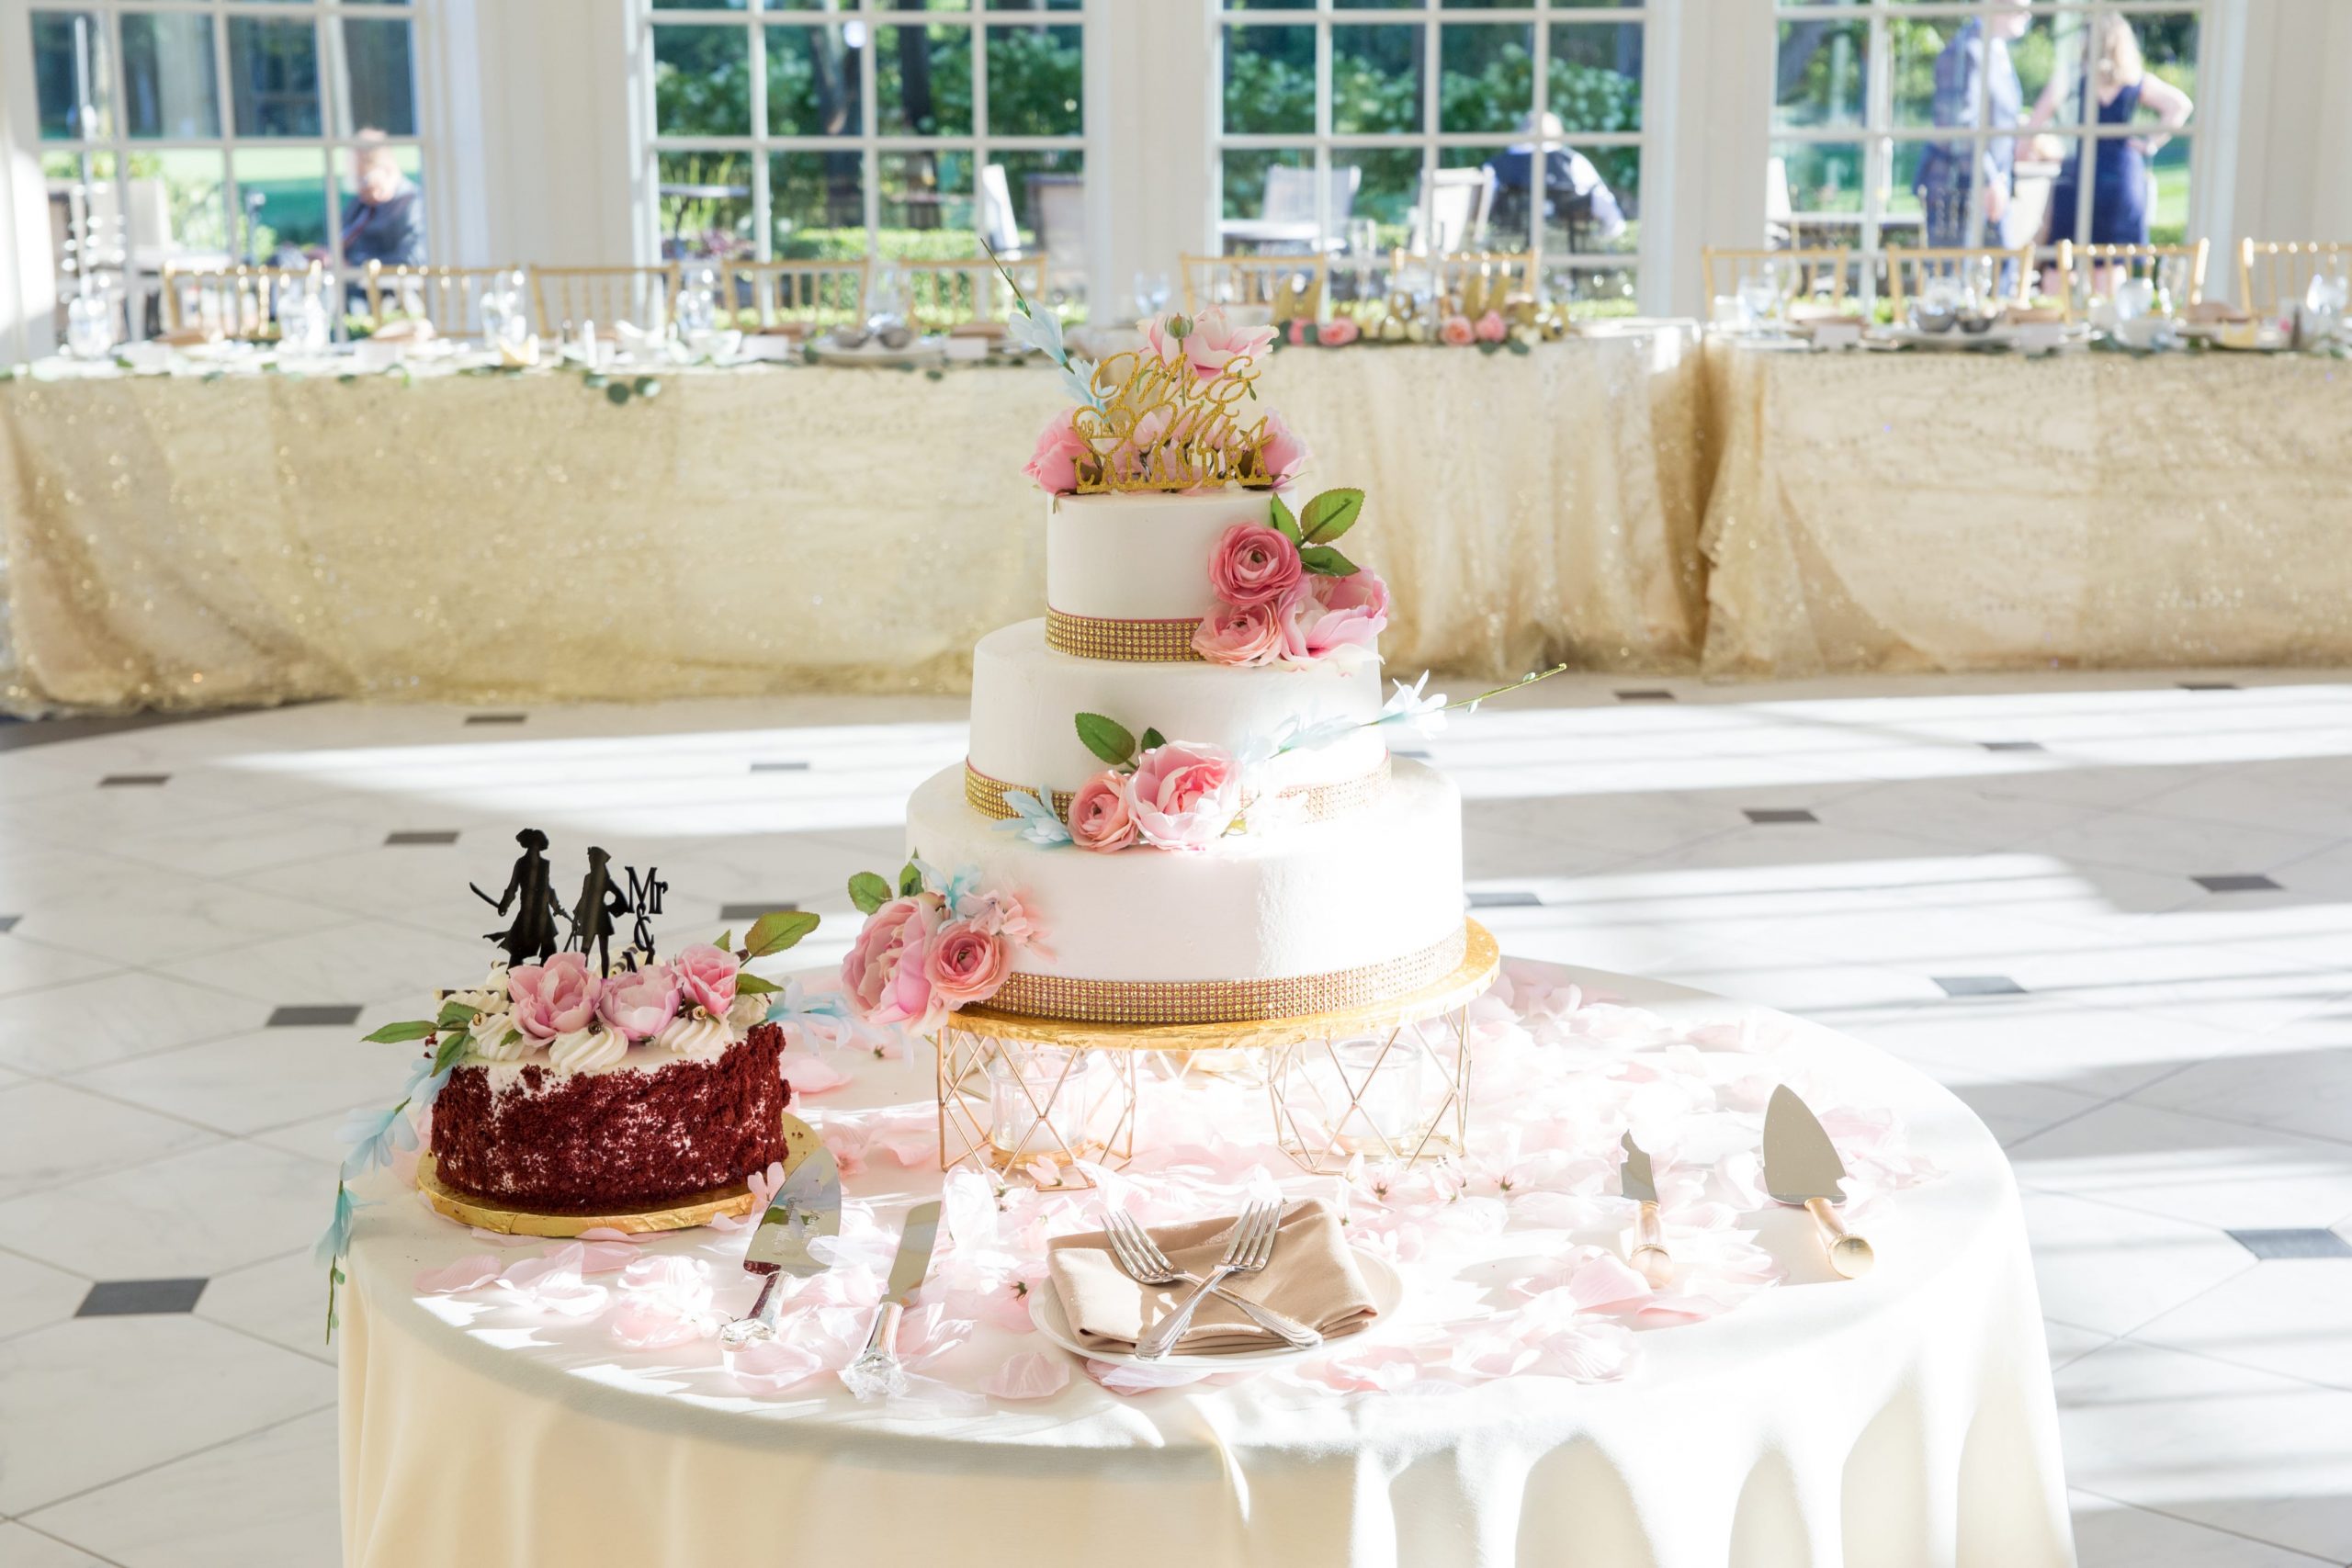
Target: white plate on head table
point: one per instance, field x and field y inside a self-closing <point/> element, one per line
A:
<point x="1380" y="1282"/>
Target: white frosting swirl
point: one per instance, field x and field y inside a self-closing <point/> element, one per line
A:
<point x="490" y="1031"/>
<point x="586" y="1050"/>
<point x="697" y="1033"/>
<point x="749" y="1009"/>
<point x="490" y="993"/>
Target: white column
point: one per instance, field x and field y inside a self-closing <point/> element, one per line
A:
<point x="28" y="267"/>
<point x="1150" y="104"/>
<point x="1708" y="161"/>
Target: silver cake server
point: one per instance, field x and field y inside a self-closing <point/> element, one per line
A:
<point x="807" y="1206"/>
<point x="1650" y="1259"/>
<point x="1801" y="1168"/>
<point x="877" y="1370"/>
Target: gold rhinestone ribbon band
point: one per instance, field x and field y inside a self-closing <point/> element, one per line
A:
<point x="1130" y="642"/>
<point x="1317" y="802"/>
<point x="1225" y="1001"/>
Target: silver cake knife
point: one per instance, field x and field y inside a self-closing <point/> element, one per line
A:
<point x="807" y="1206"/>
<point x="877" y="1370"/>
<point x="1801" y="1169"/>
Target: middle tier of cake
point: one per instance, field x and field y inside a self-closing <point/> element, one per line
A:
<point x="1026" y="699"/>
<point x="1311" y="918"/>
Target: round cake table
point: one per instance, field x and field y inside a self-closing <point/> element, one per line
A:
<point x="1903" y="1418"/>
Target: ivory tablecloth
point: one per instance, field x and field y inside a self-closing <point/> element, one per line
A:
<point x="176" y="542"/>
<point x="1932" y="510"/>
<point x="1906" y="1419"/>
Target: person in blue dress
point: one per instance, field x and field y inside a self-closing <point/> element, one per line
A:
<point x="2122" y="182"/>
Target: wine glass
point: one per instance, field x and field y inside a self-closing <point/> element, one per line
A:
<point x="1152" y="294"/>
<point x="696" y="305"/>
<point x="89" y="326"/>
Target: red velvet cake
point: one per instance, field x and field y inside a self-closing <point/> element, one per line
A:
<point x="633" y="1133"/>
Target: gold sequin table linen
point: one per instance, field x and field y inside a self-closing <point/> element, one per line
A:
<point x="1931" y="510"/>
<point x="176" y="542"/>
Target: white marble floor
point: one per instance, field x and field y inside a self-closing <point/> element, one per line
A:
<point x="2114" y="912"/>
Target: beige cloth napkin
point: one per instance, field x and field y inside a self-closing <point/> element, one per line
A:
<point x="1312" y="1280"/>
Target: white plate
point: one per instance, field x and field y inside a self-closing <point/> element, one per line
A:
<point x="1380" y="1282"/>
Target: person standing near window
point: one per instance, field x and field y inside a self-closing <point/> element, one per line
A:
<point x="384" y="221"/>
<point x="1574" y="192"/>
<point x="2122" y="179"/>
<point x="1978" y="51"/>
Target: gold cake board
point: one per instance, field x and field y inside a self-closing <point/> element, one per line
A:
<point x="683" y="1214"/>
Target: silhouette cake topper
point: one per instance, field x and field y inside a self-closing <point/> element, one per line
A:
<point x="531" y="938"/>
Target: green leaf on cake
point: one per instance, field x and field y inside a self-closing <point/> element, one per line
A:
<point x="1153" y="740"/>
<point x="726" y="940"/>
<point x="1107" y="738"/>
<point x="868" y="892"/>
<point x="910" y="880"/>
<point x="453" y="1048"/>
<point x="774" y="932"/>
<point x="393" y="1033"/>
<point x="1325" y="561"/>
<point x="1284" y="524"/>
<point x="453" y="1015"/>
<point x="1330" y="514"/>
<point x="751" y="985"/>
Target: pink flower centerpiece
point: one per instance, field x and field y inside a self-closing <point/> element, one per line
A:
<point x="1492" y="328"/>
<point x="1101" y="817"/>
<point x="887" y="973"/>
<point x="1344" y="612"/>
<point x="932" y="949"/>
<point x="639" y="1003"/>
<point x="1243" y="636"/>
<point x="1184" y="795"/>
<point x="1339" y="331"/>
<point x="1458" y="332"/>
<point x="555" y="998"/>
<point x="1254" y="565"/>
<point x="967" y="964"/>
<point x="1054" y="465"/>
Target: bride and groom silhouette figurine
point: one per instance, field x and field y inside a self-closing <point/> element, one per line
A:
<point x="531" y="937"/>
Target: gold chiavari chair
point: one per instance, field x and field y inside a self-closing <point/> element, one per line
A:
<point x="1908" y="270"/>
<point x="1291" y="285"/>
<point x="810" y="294"/>
<point x="1474" y="282"/>
<point x="2274" y="274"/>
<point x="943" y="294"/>
<point x="568" y="296"/>
<point x="448" y="296"/>
<point x="1811" y="269"/>
<point x="237" y="301"/>
<point x="2113" y="263"/>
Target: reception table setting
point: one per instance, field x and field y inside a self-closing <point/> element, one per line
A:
<point x="1514" y="1345"/>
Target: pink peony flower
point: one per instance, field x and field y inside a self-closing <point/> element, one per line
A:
<point x="639" y="1005"/>
<point x="1184" y="795"/>
<point x="967" y="964"/>
<point x="1492" y="328"/>
<point x="1339" y="331"/>
<point x="1060" y="451"/>
<point x="886" y="974"/>
<point x="1240" y="635"/>
<point x="1254" y="565"/>
<point x="1216" y="343"/>
<point x="1344" y="612"/>
<point x="1458" y="332"/>
<point x="706" y="974"/>
<point x="554" y="997"/>
<point x="1100" y="817"/>
<point x="1284" y="452"/>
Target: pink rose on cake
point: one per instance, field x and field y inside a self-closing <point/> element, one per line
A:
<point x="886" y="974"/>
<point x="1060" y="451"/>
<point x="1284" y="452"/>
<point x="1254" y="565"/>
<point x="1243" y="636"/>
<point x="1100" y="816"/>
<point x="1343" y="612"/>
<point x="1184" y="795"/>
<point x="639" y="1003"/>
<point x="555" y="998"/>
<point x="1213" y="344"/>
<point x="706" y="974"/>
<point x="967" y="964"/>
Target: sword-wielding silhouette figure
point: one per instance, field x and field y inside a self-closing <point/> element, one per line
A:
<point x="531" y="938"/>
<point x="592" y="918"/>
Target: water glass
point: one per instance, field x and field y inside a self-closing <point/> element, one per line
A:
<point x="1151" y="294"/>
<point x="89" y="326"/>
<point x="696" y="305"/>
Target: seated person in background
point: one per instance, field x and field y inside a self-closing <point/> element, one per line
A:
<point x="1574" y="192"/>
<point x="384" y="221"/>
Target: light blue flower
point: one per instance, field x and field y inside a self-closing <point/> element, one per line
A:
<point x="425" y="1085"/>
<point x="1423" y="715"/>
<point x="1040" y="329"/>
<point x="1321" y="733"/>
<point x="337" y="1239"/>
<point x="1037" y="824"/>
<point x="962" y="892"/>
<point x="371" y="1136"/>
<point x="822" y="1017"/>
<point x="1078" y="380"/>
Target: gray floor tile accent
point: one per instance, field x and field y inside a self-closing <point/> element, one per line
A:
<point x="2013" y="746"/>
<point x="1769" y="814"/>
<point x="2293" y="1244"/>
<point x="124" y="1298"/>
<point x="8" y="923"/>
<point x="753" y="911"/>
<point x="134" y="781"/>
<point x="779" y="767"/>
<point x="2235" y="883"/>
<point x="1978" y="985"/>
<point x="332" y="1015"/>
<point x="2209" y="685"/>
<point x="1504" y="899"/>
<point x="1645" y="696"/>
<point x="420" y="836"/>
<point x="496" y="717"/>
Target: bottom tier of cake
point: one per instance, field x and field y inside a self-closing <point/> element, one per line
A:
<point x="631" y="1136"/>
<point x="1304" y="919"/>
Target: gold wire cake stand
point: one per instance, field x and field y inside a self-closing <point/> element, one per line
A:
<point x="1020" y="1092"/>
<point x="685" y="1214"/>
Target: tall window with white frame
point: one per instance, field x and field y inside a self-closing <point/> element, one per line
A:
<point x="1358" y="127"/>
<point x="207" y="135"/>
<point x="906" y="130"/>
<point x="1982" y="123"/>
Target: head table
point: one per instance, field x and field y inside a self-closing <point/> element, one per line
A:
<point x="211" y="538"/>
<point x="1789" y="1418"/>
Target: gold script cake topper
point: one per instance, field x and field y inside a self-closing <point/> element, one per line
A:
<point x="1154" y="424"/>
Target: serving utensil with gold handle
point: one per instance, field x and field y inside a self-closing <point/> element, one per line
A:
<point x="1649" y="1257"/>
<point x="1801" y="1169"/>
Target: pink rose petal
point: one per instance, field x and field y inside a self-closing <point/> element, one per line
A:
<point x="464" y="1274"/>
<point x="1033" y="1374"/>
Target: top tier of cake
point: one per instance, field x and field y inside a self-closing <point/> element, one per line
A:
<point x="1141" y="557"/>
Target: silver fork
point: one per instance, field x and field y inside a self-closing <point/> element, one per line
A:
<point x="1246" y="1252"/>
<point x="1140" y="1256"/>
